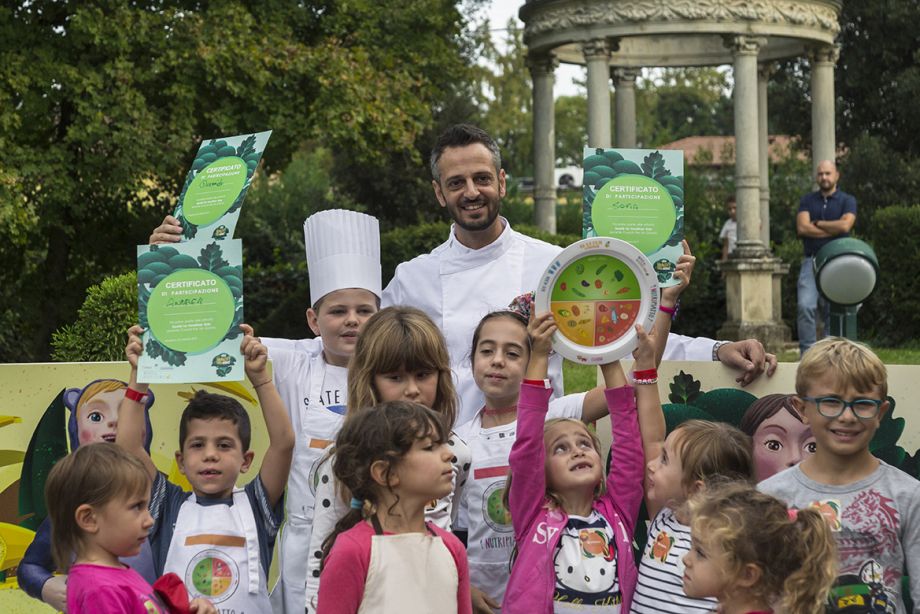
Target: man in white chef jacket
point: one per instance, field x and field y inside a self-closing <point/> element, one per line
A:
<point x="484" y="264"/>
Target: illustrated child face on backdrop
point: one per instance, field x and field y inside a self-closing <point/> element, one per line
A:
<point x="781" y="440"/>
<point x="94" y="412"/>
<point x="97" y="418"/>
<point x="501" y="350"/>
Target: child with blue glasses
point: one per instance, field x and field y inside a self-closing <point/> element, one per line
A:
<point x="872" y="508"/>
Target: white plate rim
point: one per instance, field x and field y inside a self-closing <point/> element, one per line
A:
<point x="641" y="267"/>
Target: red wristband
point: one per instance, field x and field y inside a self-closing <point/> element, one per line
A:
<point x="543" y="383"/>
<point x="135" y="395"/>
<point x="668" y="310"/>
<point x="646" y="374"/>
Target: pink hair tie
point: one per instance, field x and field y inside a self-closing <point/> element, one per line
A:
<point x="793" y="513"/>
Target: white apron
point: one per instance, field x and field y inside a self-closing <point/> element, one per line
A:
<point x="491" y="536"/>
<point x="215" y="550"/>
<point x="412" y="573"/>
<point x="319" y="426"/>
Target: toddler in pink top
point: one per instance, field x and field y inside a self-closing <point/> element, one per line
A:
<point x="97" y="501"/>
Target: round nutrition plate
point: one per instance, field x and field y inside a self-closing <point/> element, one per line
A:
<point x="598" y="289"/>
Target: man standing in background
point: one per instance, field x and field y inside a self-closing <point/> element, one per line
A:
<point x="823" y="216"/>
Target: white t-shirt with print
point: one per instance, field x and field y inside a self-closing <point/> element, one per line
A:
<point x="585" y="564"/>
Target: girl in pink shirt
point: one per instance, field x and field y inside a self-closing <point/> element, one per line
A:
<point x="383" y="556"/>
<point x="97" y="501"/>
<point x="572" y="525"/>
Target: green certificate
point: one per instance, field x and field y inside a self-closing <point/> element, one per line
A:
<point x="190" y="303"/>
<point x="216" y="185"/>
<point x="637" y="195"/>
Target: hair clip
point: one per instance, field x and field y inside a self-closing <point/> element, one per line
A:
<point x="523" y="304"/>
<point x="793" y="513"/>
<point x="356" y="503"/>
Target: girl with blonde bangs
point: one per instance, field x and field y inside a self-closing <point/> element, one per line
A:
<point x="692" y="454"/>
<point x="754" y="555"/>
<point x="401" y="338"/>
<point x="400" y="356"/>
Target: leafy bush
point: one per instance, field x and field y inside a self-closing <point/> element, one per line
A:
<point x="702" y="308"/>
<point x="890" y="315"/>
<point x="98" y="334"/>
<point x="277" y="300"/>
<point x="791" y="253"/>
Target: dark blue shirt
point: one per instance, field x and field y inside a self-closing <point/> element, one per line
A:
<point x="819" y="207"/>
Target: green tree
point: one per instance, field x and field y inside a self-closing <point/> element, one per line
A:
<point x="571" y="129"/>
<point x="675" y="103"/>
<point x="877" y="83"/>
<point x="508" y="99"/>
<point x="102" y="105"/>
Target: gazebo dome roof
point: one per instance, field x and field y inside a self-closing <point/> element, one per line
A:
<point x="677" y="32"/>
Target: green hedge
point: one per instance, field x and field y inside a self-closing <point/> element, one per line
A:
<point x="99" y="333"/>
<point x="890" y="316"/>
<point x="277" y="296"/>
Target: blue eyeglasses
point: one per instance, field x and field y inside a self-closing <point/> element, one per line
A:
<point x="832" y="407"/>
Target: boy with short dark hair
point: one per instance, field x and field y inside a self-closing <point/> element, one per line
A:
<point x="343" y="262"/>
<point x="219" y="538"/>
<point x="872" y="508"/>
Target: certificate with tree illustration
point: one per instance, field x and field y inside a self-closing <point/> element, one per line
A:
<point x="216" y="185"/>
<point x="190" y="303"/>
<point x="637" y="195"/>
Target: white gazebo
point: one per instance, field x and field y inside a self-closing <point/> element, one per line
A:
<point x="614" y="39"/>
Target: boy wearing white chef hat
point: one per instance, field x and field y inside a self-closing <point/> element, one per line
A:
<point x="343" y="259"/>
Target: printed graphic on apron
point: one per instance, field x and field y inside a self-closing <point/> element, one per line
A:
<point x="494" y="511"/>
<point x="212" y="575"/>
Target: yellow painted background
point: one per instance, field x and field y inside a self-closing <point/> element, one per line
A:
<point x="26" y="390"/>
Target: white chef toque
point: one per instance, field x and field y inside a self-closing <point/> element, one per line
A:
<point x="343" y="251"/>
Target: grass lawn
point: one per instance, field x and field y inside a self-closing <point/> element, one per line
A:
<point x="583" y="377"/>
<point x="578" y="377"/>
<point x="889" y="356"/>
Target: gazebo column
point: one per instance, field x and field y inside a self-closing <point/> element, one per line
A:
<point x="763" y="76"/>
<point x="542" y="69"/>
<point x="747" y="165"/>
<point x="597" y="60"/>
<point x="823" y="139"/>
<point x="625" y="85"/>
<point x="750" y="271"/>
